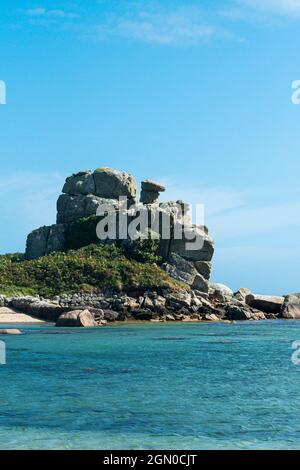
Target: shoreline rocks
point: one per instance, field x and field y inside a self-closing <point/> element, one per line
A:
<point x="150" y="192"/>
<point x="10" y="331"/>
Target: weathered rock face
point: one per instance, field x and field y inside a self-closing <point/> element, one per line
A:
<point x="200" y="284"/>
<point x="37" y="308"/>
<point x="179" y="210"/>
<point x="71" y="208"/>
<point x="180" y="269"/>
<point x="220" y="292"/>
<point x="103" y="182"/>
<point x="243" y="312"/>
<point x="112" y="184"/>
<point x="291" y="307"/>
<point x="10" y="331"/>
<point x="80" y="183"/>
<point x="203" y="268"/>
<point x="77" y="318"/>
<point x="45" y="240"/>
<point x="242" y="293"/>
<point x="37" y="243"/>
<point x="265" y="303"/>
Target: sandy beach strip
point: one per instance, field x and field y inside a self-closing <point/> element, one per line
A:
<point x="8" y="315"/>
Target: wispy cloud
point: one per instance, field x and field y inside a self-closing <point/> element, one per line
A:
<point x="179" y="26"/>
<point x="43" y="13"/>
<point x="235" y="213"/>
<point x="290" y="8"/>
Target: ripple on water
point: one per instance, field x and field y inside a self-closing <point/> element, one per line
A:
<point x="197" y="386"/>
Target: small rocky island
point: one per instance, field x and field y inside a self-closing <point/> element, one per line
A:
<point x="75" y="279"/>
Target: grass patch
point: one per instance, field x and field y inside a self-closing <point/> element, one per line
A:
<point x="89" y="269"/>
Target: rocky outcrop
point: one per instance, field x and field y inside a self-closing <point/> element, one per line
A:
<point x="10" y="331"/>
<point x="186" y="305"/>
<point x="43" y="309"/>
<point x="291" y="307"/>
<point x="77" y="318"/>
<point x="191" y="243"/>
<point x="80" y="183"/>
<point x="180" y="269"/>
<point x="103" y="182"/>
<point x="71" y="208"/>
<point x="45" y="240"/>
<point x="150" y="192"/>
<point x="242" y="293"/>
<point x="187" y="249"/>
<point x="220" y="292"/>
<point x="265" y="303"/>
<point x="242" y="312"/>
<point x="112" y="184"/>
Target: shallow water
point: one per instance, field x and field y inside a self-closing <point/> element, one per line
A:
<point x="153" y="386"/>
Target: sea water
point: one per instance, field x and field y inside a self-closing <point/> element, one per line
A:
<point x="151" y="386"/>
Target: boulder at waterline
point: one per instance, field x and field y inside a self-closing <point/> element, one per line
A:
<point x="77" y="318"/>
<point x="239" y="313"/>
<point x="242" y="293"/>
<point x="291" y="307"/>
<point x="220" y="292"/>
<point x="265" y="303"/>
<point x="112" y="184"/>
<point x="80" y="183"/>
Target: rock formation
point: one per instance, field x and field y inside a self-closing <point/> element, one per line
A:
<point x="186" y="249"/>
<point x="150" y="192"/>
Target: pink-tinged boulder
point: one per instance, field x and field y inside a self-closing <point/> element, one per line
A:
<point x="77" y="318"/>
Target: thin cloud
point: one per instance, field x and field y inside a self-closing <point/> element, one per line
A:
<point x="32" y="196"/>
<point x="51" y="14"/>
<point x="181" y="26"/>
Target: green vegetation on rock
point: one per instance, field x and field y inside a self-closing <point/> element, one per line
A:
<point x="89" y="269"/>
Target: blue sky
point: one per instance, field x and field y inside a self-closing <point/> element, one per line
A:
<point x="196" y="94"/>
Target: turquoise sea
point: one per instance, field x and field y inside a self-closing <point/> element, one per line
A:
<point x="151" y="386"/>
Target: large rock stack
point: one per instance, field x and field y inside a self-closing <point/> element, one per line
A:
<point x="85" y="192"/>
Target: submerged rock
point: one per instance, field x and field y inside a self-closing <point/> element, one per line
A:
<point x="10" y="331"/>
<point x="77" y="318"/>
